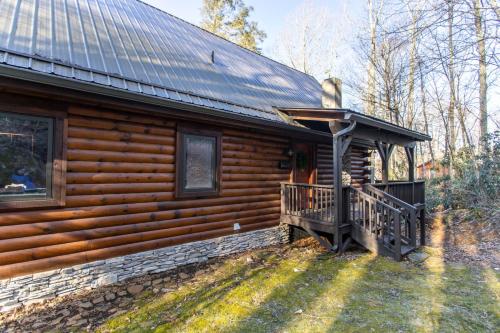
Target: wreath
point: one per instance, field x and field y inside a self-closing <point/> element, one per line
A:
<point x="301" y="161"/>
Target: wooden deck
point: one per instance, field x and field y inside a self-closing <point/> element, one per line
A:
<point x="374" y="218"/>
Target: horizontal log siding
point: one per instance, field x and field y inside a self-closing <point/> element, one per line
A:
<point x="357" y="157"/>
<point x="324" y="162"/>
<point x="360" y="166"/>
<point x="120" y="194"/>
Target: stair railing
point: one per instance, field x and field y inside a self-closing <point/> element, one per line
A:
<point x="409" y="213"/>
<point x="378" y="220"/>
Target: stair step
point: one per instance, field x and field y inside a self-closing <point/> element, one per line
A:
<point x="406" y="249"/>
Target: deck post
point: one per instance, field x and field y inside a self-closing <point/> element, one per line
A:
<point x="283" y="199"/>
<point x="385" y="152"/>
<point x="337" y="188"/>
<point x="410" y="154"/>
<point x="340" y="143"/>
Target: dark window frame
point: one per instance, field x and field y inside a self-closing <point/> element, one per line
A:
<point x="180" y="163"/>
<point x="57" y="182"/>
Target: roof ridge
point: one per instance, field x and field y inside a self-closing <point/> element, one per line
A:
<point x="226" y="40"/>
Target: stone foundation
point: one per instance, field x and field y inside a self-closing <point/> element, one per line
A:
<point x="34" y="288"/>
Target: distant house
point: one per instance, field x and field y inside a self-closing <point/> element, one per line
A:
<point x="431" y="169"/>
<point x="132" y="142"/>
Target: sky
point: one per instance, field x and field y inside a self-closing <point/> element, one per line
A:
<point x="270" y="14"/>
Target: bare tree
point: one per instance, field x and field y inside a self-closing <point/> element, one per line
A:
<point x="373" y="14"/>
<point x="483" y="85"/>
<point x="307" y="40"/>
<point x="451" y="82"/>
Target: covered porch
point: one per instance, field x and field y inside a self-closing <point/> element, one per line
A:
<point x="385" y="217"/>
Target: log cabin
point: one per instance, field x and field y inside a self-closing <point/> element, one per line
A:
<point x="132" y="142"/>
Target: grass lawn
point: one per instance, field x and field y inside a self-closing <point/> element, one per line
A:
<point x="302" y="289"/>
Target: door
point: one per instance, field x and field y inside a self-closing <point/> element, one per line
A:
<point x="303" y="164"/>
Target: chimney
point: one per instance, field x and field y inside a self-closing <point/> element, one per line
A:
<point x="332" y="93"/>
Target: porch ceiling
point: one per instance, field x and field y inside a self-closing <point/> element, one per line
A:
<point x="368" y="129"/>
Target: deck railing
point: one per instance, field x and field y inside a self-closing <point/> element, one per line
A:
<point x="409" y="192"/>
<point x="311" y="201"/>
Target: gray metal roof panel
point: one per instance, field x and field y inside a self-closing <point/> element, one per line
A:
<point x="130" y="45"/>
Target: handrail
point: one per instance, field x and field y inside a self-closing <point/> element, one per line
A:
<point x="400" y="182"/>
<point x="375" y="200"/>
<point x="308" y="185"/>
<point x="385" y="195"/>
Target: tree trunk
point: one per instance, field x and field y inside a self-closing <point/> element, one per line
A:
<point x="424" y="111"/>
<point x="481" y="48"/>
<point x="373" y="17"/>
<point x="465" y="134"/>
<point x="411" y="76"/>
<point x="451" y="79"/>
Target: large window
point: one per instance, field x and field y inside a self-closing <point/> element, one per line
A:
<point x="30" y="160"/>
<point x="198" y="159"/>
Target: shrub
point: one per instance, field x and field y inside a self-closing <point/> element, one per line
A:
<point x="475" y="184"/>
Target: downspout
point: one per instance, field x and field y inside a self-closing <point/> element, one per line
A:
<point x="337" y="144"/>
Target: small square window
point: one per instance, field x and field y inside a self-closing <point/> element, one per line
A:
<point x="30" y="161"/>
<point x="198" y="159"/>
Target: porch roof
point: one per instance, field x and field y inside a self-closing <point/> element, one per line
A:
<point x="368" y="129"/>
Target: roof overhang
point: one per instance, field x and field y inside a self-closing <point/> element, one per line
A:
<point x="368" y="129"/>
<point x="68" y="89"/>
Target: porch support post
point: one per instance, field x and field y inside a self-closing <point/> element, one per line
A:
<point x="337" y="189"/>
<point x="385" y="151"/>
<point x="410" y="154"/>
<point x="340" y="143"/>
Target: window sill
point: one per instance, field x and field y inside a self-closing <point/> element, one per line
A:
<point x="196" y="195"/>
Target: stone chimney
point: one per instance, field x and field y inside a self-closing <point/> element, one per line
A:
<point x="332" y="93"/>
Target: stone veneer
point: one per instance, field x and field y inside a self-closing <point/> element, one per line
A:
<point x="34" y="288"/>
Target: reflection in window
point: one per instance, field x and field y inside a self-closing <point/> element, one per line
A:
<point x="200" y="162"/>
<point x="25" y="157"/>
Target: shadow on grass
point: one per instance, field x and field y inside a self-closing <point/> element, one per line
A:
<point x="372" y="301"/>
<point x="470" y="300"/>
<point x="177" y="307"/>
<point x="290" y="299"/>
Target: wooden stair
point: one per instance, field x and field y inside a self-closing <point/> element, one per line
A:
<point x="383" y="223"/>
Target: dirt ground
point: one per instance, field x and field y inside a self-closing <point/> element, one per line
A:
<point x="465" y="238"/>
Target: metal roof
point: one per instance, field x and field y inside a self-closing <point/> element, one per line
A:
<point x="129" y="45"/>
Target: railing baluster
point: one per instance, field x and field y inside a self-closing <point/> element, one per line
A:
<point x="397" y="237"/>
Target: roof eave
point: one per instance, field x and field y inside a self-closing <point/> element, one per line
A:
<point x="23" y="74"/>
<point x="323" y="114"/>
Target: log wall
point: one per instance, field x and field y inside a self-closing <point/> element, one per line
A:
<point x="324" y="161"/>
<point x="120" y="194"/>
<point x="356" y="163"/>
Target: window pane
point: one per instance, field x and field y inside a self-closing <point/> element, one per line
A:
<point x="200" y="162"/>
<point x="25" y="157"/>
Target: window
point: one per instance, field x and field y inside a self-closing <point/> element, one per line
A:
<point x="30" y="160"/>
<point x="198" y="159"/>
